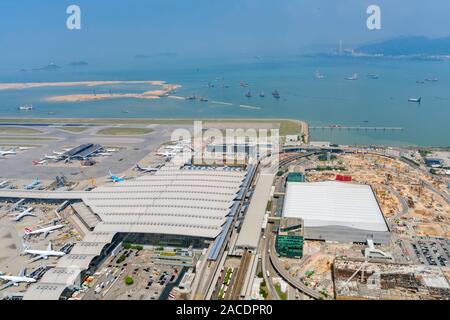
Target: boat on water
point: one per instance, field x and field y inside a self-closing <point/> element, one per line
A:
<point x="276" y="94"/>
<point x="203" y="99"/>
<point x="26" y="107"/>
<point x="431" y="79"/>
<point x="353" y="77"/>
<point x="262" y="94"/>
<point x="243" y="84"/>
<point x="420" y="82"/>
<point x="248" y="94"/>
<point x="372" y="76"/>
<point x="417" y="100"/>
<point x="193" y="97"/>
<point x="319" y="75"/>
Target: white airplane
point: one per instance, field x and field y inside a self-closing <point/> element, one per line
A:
<point x="58" y="153"/>
<point x="24" y="213"/>
<point x="43" y="254"/>
<point x="167" y="154"/>
<point x="148" y="169"/>
<point x="47" y="157"/>
<point x="17" y="204"/>
<point x="6" y="153"/>
<point x="15" y="280"/>
<point x="46" y="231"/>
<point x="3" y="184"/>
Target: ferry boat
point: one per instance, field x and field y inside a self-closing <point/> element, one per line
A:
<point x="319" y="75"/>
<point x="417" y="100"/>
<point x="26" y="107"/>
<point x="276" y="94"/>
<point x="353" y="77"/>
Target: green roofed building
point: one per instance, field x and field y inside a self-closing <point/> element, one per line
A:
<point x="289" y="241"/>
<point x="295" y="177"/>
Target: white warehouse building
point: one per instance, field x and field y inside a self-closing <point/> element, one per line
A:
<point x="336" y="211"/>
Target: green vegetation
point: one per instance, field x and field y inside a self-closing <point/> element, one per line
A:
<point x="424" y="153"/>
<point x="410" y="161"/>
<point x="129" y="281"/>
<point x="227" y="278"/>
<point x="281" y="294"/>
<point x="280" y="172"/>
<point x="121" y="259"/>
<point x="263" y="289"/>
<point x="221" y="293"/>
<point x="269" y="206"/>
<point x="19" y="130"/>
<point x="124" y="131"/>
<point x="260" y="274"/>
<point x="132" y="246"/>
<point x="73" y="129"/>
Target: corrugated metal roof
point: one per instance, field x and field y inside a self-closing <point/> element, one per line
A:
<point x="332" y="203"/>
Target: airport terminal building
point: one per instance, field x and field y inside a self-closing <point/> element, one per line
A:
<point x="336" y="211"/>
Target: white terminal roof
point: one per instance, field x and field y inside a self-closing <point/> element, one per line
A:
<point x="332" y="203"/>
<point x="172" y="201"/>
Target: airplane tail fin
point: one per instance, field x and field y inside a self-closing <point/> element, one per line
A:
<point x="28" y="230"/>
<point x="49" y="247"/>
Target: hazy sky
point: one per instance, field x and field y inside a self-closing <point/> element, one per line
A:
<point x="32" y="31"/>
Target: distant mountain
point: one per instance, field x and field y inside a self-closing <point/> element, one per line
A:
<point x="408" y="46"/>
<point x="78" y="64"/>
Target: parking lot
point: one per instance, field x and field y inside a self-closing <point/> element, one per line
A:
<point x="431" y="251"/>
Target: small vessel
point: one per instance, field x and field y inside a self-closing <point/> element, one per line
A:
<point x="262" y="94"/>
<point x="276" y="94"/>
<point x="420" y="82"/>
<point x="248" y="94"/>
<point x="431" y="79"/>
<point x="353" y="77"/>
<point x="26" y="107"/>
<point x="417" y="100"/>
<point x="372" y="76"/>
<point x="193" y="97"/>
<point x="203" y="99"/>
<point x="319" y="75"/>
<point x="243" y="84"/>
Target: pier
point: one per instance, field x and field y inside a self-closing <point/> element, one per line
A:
<point x="358" y="128"/>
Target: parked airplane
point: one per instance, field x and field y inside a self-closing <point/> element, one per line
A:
<point x="3" y="184"/>
<point x="115" y="178"/>
<point x="36" y="162"/>
<point x="166" y="154"/>
<point x="47" y="157"/>
<point x="58" y="153"/>
<point x="32" y="185"/>
<point x="148" y="169"/>
<point x="7" y="153"/>
<point x="16" y="280"/>
<point x="46" y="231"/>
<point x="24" y="213"/>
<point x="43" y="254"/>
<point x="17" y="204"/>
